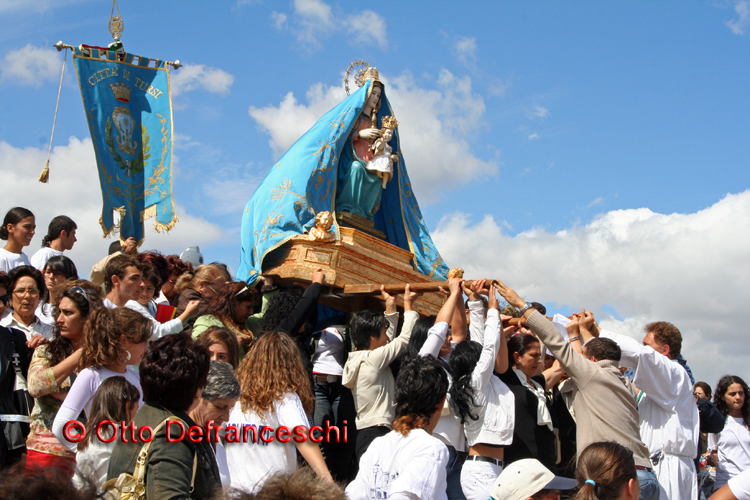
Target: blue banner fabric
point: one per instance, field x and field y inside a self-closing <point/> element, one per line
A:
<point x="129" y="111"/>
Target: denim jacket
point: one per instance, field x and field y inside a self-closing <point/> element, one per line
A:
<point x="169" y="466"/>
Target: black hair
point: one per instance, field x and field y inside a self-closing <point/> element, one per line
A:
<point x="116" y="267"/>
<point x="721" y="389"/>
<point x="420" y="388"/>
<point x="419" y="334"/>
<point x="62" y="265"/>
<point x="539" y="307"/>
<point x="32" y="272"/>
<point x="152" y="275"/>
<point x="56" y="226"/>
<point x="280" y="306"/>
<point x="13" y="217"/>
<point x="603" y="348"/>
<point x="5" y="281"/>
<point x="463" y="360"/>
<point x="172" y="370"/>
<point x="364" y="325"/>
<point x="706" y="388"/>
<point x="519" y="344"/>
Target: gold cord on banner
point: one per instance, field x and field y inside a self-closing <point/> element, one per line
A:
<point x="44" y="176"/>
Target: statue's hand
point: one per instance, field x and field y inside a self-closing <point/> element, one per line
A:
<point x="369" y="134"/>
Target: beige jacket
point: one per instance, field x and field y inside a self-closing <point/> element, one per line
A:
<point x="368" y="375"/>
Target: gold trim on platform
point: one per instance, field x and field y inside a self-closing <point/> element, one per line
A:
<point x="359" y="222"/>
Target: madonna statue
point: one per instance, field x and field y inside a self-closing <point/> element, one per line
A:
<point x="326" y="170"/>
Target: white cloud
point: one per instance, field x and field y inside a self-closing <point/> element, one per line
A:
<point x="31" y="65"/>
<point x="689" y="269"/>
<point x="279" y="20"/>
<point x="466" y="50"/>
<point x="539" y="112"/>
<point x="197" y="76"/>
<point x="367" y="28"/>
<point x="435" y="126"/>
<point x="74" y="190"/>
<point x="533" y="136"/>
<point x="742" y="7"/>
<point x="595" y="202"/>
<point x="314" y="20"/>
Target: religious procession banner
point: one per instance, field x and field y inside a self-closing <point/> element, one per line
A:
<point x="129" y="111"/>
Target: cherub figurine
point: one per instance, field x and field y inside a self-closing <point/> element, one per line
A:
<point x="382" y="161"/>
<point x="323" y="223"/>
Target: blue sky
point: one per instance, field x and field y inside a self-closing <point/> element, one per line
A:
<point x="562" y="136"/>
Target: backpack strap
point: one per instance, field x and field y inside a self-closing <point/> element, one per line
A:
<point x="139" y="473"/>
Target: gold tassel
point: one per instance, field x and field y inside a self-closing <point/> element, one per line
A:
<point x="44" y="176"/>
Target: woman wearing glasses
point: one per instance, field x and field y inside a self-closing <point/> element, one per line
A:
<point x="57" y="271"/>
<point x="53" y="370"/>
<point x="18" y="228"/>
<point x="27" y="291"/>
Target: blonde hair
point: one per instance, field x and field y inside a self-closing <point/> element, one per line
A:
<point x="272" y="368"/>
<point x="191" y="279"/>
<point x="102" y="332"/>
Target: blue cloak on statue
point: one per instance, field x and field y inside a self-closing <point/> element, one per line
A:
<point x="305" y="181"/>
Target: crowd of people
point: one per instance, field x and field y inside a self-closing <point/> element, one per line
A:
<point x="162" y="379"/>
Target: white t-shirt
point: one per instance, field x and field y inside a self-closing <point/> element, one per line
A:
<point x="82" y="392"/>
<point x="93" y="462"/>
<point x="733" y="445"/>
<point x="740" y="485"/>
<point x="329" y="354"/>
<point x="10" y="260"/>
<point x="251" y="463"/>
<point x="40" y="258"/>
<point x="398" y="466"/>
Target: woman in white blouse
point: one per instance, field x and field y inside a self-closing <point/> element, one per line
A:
<point x="733" y="443"/>
<point x="27" y="289"/>
<point x="18" y="229"/>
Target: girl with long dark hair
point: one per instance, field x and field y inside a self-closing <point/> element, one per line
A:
<point x="18" y="228"/>
<point x="732" y="445"/>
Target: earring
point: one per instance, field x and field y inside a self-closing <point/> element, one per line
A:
<point x="125" y="359"/>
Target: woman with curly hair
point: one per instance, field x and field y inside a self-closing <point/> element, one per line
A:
<point x="732" y="445"/>
<point x="275" y="393"/>
<point x="201" y="284"/>
<point x="229" y="308"/>
<point x="114" y="341"/>
<point x="52" y="371"/>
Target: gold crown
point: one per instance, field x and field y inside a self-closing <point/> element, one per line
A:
<point x="390" y="122"/>
<point x="121" y="91"/>
<point x="367" y="73"/>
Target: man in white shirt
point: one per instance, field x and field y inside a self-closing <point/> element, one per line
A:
<point x="123" y="281"/>
<point x="668" y="413"/>
<point x="61" y="236"/>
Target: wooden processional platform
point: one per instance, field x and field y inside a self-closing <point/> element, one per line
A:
<point x="357" y="259"/>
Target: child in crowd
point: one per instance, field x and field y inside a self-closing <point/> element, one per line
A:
<point x="147" y="307"/>
<point x="114" y="340"/>
<point x="116" y="400"/>
<point x="367" y="371"/>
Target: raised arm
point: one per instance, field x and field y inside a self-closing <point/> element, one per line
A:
<point x="436" y="335"/>
<point x="384" y="356"/>
<point x="476" y="309"/>
<point x="578" y="367"/>
<point x="480" y="377"/>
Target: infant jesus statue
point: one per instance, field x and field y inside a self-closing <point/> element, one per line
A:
<point x="382" y="161"/>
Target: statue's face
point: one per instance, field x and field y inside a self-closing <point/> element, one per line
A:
<point x="374" y="98"/>
<point x="387" y="135"/>
<point x="326" y="221"/>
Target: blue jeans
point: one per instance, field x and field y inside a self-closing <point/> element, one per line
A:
<point x="649" y="485"/>
<point x="456" y="461"/>
<point x="334" y="404"/>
